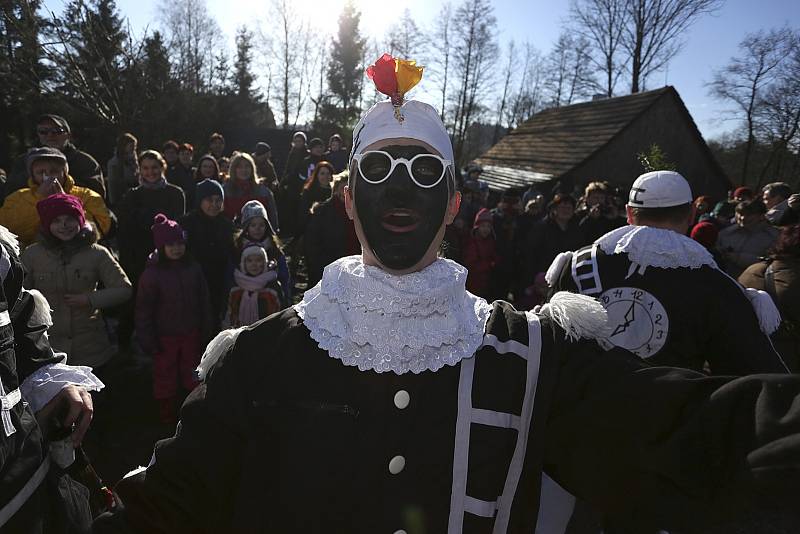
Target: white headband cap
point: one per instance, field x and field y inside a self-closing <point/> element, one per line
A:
<point x="660" y="189"/>
<point x="420" y="122"/>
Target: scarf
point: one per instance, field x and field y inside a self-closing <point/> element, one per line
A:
<point x="248" y="306"/>
<point x="160" y="184"/>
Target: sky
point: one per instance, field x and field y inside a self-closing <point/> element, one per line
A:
<point x="709" y="43"/>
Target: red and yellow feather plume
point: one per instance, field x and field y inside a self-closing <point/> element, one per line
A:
<point x="394" y="78"/>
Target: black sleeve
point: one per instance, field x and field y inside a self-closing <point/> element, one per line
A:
<point x="664" y="448"/>
<point x="191" y="485"/>
<point x="563" y="281"/>
<point x="736" y="345"/>
<point x="31" y="344"/>
<point x="32" y="348"/>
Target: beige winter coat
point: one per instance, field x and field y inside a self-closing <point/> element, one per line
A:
<point x="78" y="331"/>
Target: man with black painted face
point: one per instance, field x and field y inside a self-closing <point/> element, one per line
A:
<point x="402" y="222"/>
<point x="392" y="400"/>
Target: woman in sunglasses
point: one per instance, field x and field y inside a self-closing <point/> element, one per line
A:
<point x="392" y="400"/>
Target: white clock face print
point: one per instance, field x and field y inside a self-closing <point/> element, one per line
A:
<point x="637" y="320"/>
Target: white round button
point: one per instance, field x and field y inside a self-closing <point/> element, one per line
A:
<point x="401" y="399"/>
<point x="397" y="464"/>
<point x="400" y="532"/>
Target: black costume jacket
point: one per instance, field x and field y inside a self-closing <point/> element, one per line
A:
<point x="282" y="438"/>
<point x="676" y="316"/>
<point x="59" y="504"/>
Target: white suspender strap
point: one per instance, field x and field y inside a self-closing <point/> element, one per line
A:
<point x="506" y="500"/>
<point x="458" y="492"/>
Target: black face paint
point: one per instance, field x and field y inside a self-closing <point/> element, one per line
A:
<point x="399" y="218"/>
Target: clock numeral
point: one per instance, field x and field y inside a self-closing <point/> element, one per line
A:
<point x="637" y="294"/>
<point x="659" y="334"/>
<point x="658" y="318"/>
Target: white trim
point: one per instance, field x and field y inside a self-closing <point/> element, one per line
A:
<point x="496" y="419"/>
<point x="581" y="259"/>
<point x="7" y="402"/>
<point x="479" y="507"/>
<point x="504" y="347"/>
<point x="458" y="493"/>
<point x="5" y="318"/>
<point x="518" y="459"/>
<point x="13" y="506"/>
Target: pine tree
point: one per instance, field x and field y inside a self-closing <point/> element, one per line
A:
<point x="222" y="73"/>
<point x="347" y="70"/>
<point x="23" y="73"/>
<point x="156" y="67"/>
<point x="92" y="64"/>
<point x="243" y="78"/>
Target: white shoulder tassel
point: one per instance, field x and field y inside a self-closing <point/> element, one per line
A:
<point x="10" y="239"/>
<point x="221" y="343"/>
<point x="554" y="271"/>
<point x="769" y="318"/>
<point x="579" y="316"/>
<point x="41" y="310"/>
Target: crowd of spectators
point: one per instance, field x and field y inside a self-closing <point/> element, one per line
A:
<point x="176" y="247"/>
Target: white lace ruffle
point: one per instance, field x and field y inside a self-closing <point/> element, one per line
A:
<point x="656" y="247"/>
<point x="376" y="321"/>
<point x="45" y="383"/>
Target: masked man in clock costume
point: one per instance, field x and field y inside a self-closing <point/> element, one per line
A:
<point x="391" y="400"/>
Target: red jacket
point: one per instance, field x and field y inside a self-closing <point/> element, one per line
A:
<point x="480" y="258"/>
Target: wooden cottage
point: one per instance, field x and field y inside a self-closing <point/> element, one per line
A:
<point x="600" y="140"/>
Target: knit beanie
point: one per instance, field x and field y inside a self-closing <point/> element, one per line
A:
<point x="166" y="231"/>
<point x="43" y="152"/>
<point x="209" y="187"/>
<point x="706" y="234"/>
<point x="252" y="250"/>
<point x="251" y="210"/>
<point x="57" y="205"/>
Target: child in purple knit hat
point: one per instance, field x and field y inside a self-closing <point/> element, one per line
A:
<point x="173" y="316"/>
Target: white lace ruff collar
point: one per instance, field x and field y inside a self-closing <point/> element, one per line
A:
<point x="656" y="247"/>
<point x="376" y="321"/>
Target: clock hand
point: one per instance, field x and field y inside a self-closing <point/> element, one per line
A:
<point x="630" y="316"/>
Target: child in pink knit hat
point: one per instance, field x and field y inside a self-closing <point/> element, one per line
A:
<point x="173" y="316"/>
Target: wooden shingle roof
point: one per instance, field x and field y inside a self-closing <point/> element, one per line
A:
<point x="556" y="140"/>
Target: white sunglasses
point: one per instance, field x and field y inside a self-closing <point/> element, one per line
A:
<point x="426" y="170"/>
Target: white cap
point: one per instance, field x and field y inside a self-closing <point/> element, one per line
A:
<point x="252" y="250"/>
<point x="420" y="122"/>
<point x="660" y="189"/>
